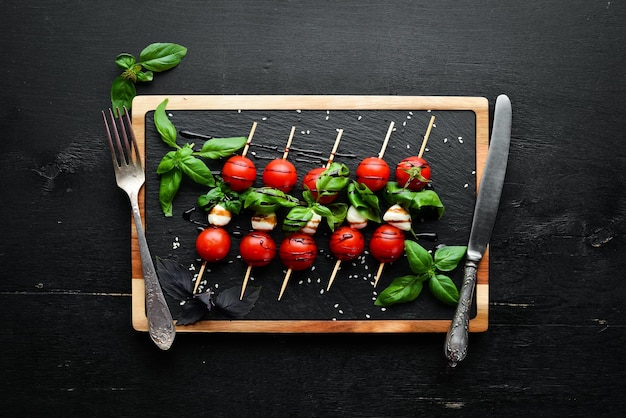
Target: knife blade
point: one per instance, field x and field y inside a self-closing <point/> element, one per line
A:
<point x="484" y="218"/>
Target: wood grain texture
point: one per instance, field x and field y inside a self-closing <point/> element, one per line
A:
<point x="555" y="344"/>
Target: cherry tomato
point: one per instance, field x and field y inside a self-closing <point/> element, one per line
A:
<point x="280" y="174"/>
<point x="257" y="249"/>
<point x="415" y="171"/>
<point x="346" y="243"/>
<point x="387" y="243"/>
<point x="373" y="172"/>
<point x="213" y="243"/>
<point x="239" y="173"/>
<point x="310" y="181"/>
<point x="298" y="251"/>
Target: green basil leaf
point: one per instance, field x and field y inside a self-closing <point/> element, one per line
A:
<point x="447" y="258"/>
<point x="332" y="180"/>
<point x="123" y="92"/>
<point x="266" y="200"/>
<point x="364" y="201"/>
<point x="444" y="289"/>
<point x="307" y="196"/>
<point x="297" y="218"/>
<point x="338" y="211"/>
<point x="170" y="183"/>
<point x="402" y="289"/>
<point x="420" y="261"/>
<point x="162" y="56"/>
<point x="164" y="126"/>
<point x="393" y="193"/>
<point x="197" y="170"/>
<point x="221" y="147"/>
<point x="168" y="162"/>
<point x="211" y="198"/>
<point x="125" y="61"/>
<point x="145" y="76"/>
<point x="427" y="200"/>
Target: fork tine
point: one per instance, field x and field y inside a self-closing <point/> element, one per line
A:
<point x="114" y="156"/>
<point x="124" y="149"/>
<point x="131" y="133"/>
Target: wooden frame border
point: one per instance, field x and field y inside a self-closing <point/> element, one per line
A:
<point x="479" y="105"/>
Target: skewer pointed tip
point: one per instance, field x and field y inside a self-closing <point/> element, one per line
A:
<point x="284" y="286"/>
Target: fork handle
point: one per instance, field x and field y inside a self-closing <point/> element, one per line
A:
<point x="160" y="323"/>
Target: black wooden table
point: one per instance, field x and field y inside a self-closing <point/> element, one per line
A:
<point x="556" y="334"/>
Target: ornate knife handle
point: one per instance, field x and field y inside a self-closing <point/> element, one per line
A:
<point x="457" y="338"/>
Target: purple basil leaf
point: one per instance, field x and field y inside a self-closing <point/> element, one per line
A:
<point x="191" y="311"/>
<point x="228" y="301"/>
<point x="206" y="298"/>
<point x="175" y="279"/>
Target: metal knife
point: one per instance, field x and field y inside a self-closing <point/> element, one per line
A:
<point x="485" y="213"/>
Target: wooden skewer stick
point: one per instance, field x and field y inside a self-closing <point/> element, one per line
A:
<point x="245" y="282"/>
<point x="430" y="126"/>
<point x="386" y="141"/>
<point x="333" y="274"/>
<point x="245" y="149"/>
<point x="285" y="281"/>
<point x="379" y="273"/>
<point x="332" y="153"/>
<point x="199" y="278"/>
<point x="293" y="130"/>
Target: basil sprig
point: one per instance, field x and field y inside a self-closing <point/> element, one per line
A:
<point x="184" y="160"/>
<point x="425" y="201"/>
<point x="426" y="268"/>
<point x="364" y="201"/>
<point x="156" y="57"/>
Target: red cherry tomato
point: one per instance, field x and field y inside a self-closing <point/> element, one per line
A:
<point x="373" y="172"/>
<point x="257" y="249"/>
<point x="239" y="173"/>
<point x="346" y="243"/>
<point x="298" y="251"/>
<point x="280" y="174"/>
<point x="213" y="243"/>
<point x="415" y="171"/>
<point x="387" y="243"/>
<point x="310" y="181"/>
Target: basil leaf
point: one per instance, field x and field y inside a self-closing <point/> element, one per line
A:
<point x="176" y="280"/>
<point x="162" y="56"/>
<point x="332" y="180"/>
<point x="429" y="200"/>
<point x="145" y="76"/>
<point x="122" y="93"/>
<point x="192" y="311"/>
<point x="444" y="289"/>
<point x="420" y="261"/>
<point x="426" y="202"/>
<point x="197" y="170"/>
<point x="167" y="163"/>
<point x="164" y="126"/>
<point x="297" y="218"/>
<point x="221" y="147"/>
<point x="125" y="61"/>
<point x="364" y="201"/>
<point x="266" y="200"/>
<point x="338" y="213"/>
<point x="447" y="258"/>
<point x="211" y="198"/>
<point x="402" y="289"/>
<point x="228" y="301"/>
<point x="170" y="182"/>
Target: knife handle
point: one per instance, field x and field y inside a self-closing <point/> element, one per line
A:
<point x="457" y="338"/>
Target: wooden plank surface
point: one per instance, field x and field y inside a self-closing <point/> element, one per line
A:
<point x="144" y="104"/>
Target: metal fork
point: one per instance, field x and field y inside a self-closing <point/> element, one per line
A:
<point x="130" y="177"/>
